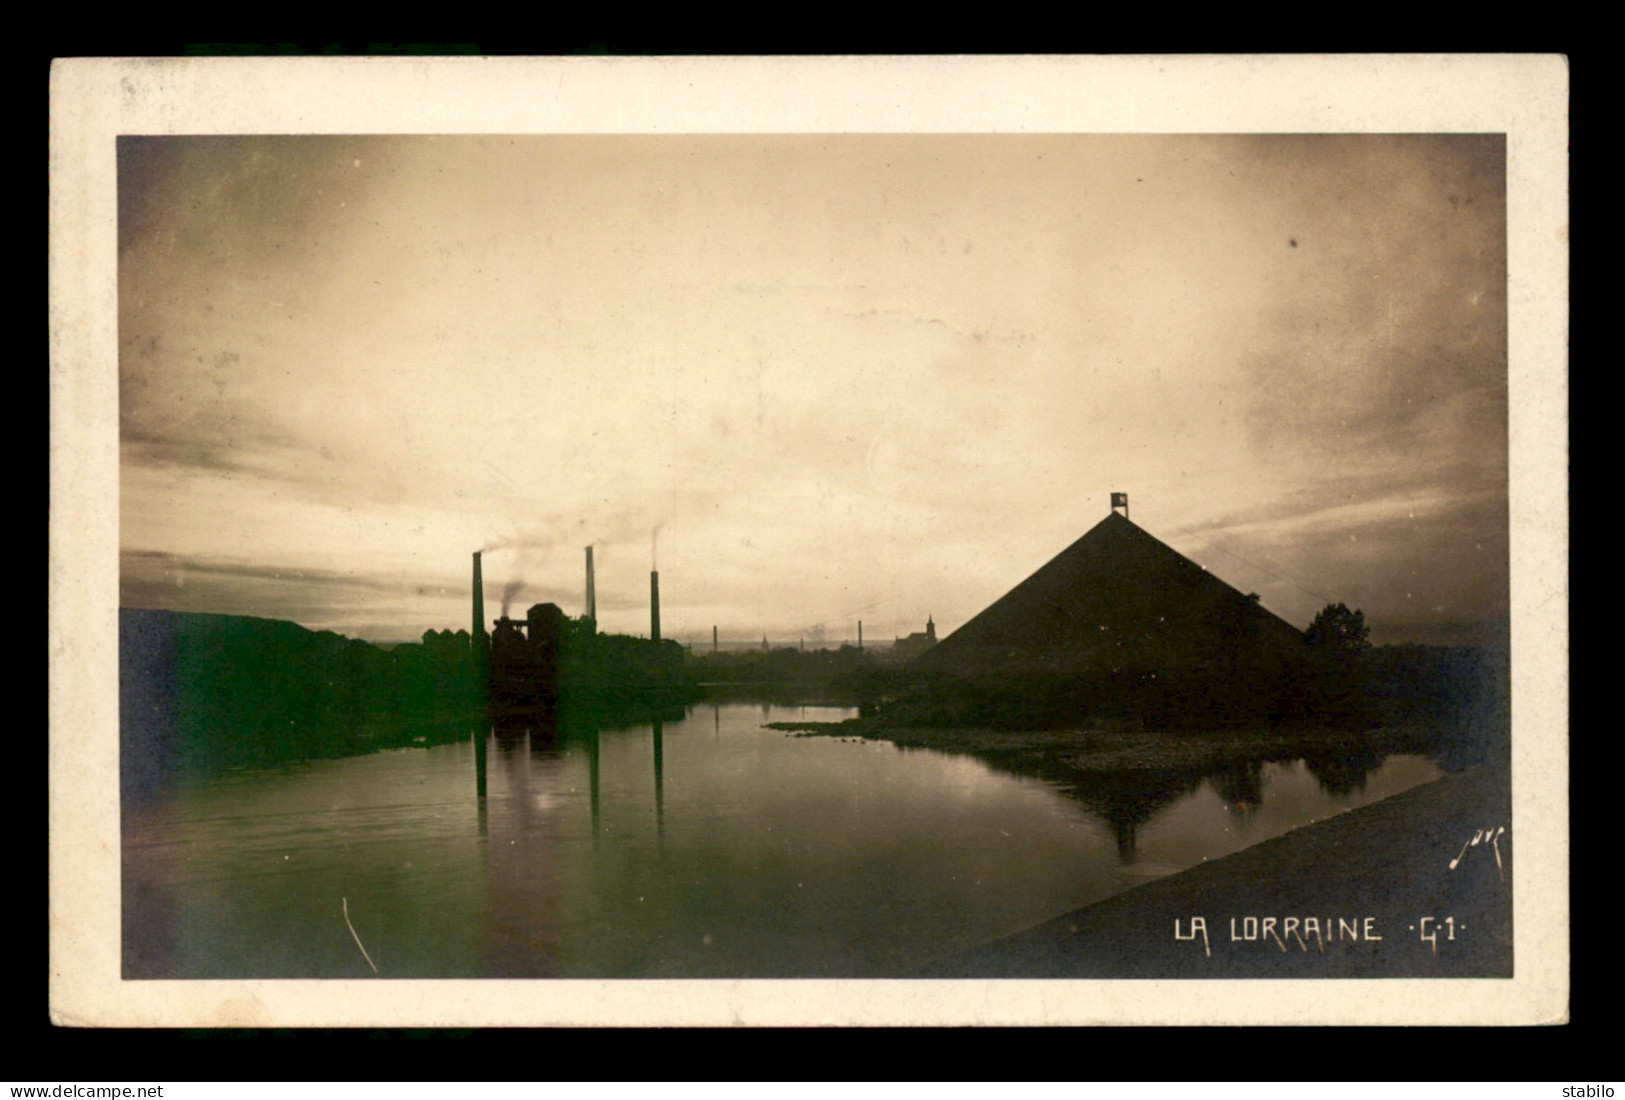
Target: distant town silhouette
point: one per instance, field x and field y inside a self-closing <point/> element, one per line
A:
<point x="1117" y="631"/>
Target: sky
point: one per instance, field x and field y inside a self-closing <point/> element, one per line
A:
<point x="813" y="379"/>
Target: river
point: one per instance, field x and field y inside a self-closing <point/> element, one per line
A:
<point x="706" y="847"/>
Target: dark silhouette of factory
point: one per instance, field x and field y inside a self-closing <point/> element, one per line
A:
<point x="202" y="692"/>
<point x="1118" y="625"/>
<point x="548" y="659"/>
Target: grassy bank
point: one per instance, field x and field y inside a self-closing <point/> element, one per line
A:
<point x="1052" y="751"/>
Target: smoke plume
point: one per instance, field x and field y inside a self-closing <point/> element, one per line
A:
<point x="509" y="591"/>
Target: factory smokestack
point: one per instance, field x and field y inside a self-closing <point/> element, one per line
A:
<point x="654" y="604"/>
<point x="479" y="643"/>
<point x="860" y="635"/>
<point x="592" y="598"/>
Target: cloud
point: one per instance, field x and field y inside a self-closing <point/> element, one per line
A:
<point x="316" y="598"/>
<point x="815" y="372"/>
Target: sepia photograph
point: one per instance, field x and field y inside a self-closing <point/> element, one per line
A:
<point x="770" y="569"/>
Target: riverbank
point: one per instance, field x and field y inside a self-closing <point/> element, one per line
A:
<point x="1372" y="872"/>
<point x="1055" y="752"/>
<point x="1377" y="882"/>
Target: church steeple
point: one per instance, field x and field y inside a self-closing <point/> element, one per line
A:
<point x="930" y="628"/>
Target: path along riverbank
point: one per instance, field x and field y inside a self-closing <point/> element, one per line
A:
<point x="1377" y="883"/>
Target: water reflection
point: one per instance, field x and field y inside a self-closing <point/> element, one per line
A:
<point x="1240" y="786"/>
<point x="660" y="783"/>
<point x="524" y="866"/>
<point x="1126" y="801"/>
<point x="1129" y="801"/>
<point x="1345" y="774"/>
<point x="589" y="740"/>
<point x="766" y="855"/>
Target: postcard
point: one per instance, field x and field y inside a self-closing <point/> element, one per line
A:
<point x="801" y="541"/>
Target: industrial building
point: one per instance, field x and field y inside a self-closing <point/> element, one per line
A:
<point x="547" y="656"/>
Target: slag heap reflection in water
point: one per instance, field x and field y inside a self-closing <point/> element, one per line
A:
<point x="701" y="845"/>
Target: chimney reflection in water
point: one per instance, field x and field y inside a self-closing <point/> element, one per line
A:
<point x="475" y="641"/>
<point x="660" y="784"/>
<point x="592" y="779"/>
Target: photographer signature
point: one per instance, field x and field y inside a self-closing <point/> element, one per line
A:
<point x="1484" y="836"/>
